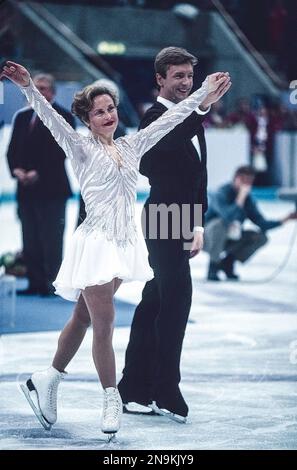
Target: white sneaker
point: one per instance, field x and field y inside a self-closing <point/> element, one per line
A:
<point x="112" y="411"/>
<point x="41" y="393"/>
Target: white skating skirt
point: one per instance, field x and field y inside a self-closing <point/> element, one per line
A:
<point x="91" y="259"/>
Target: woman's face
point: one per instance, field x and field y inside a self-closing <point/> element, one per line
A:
<point x="103" y="117"/>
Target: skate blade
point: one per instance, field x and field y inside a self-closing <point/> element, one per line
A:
<point x="168" y="414"/>
<point x="47" y="426"/>
<point x="135" y="409"/>
<point x="111" y="437"/>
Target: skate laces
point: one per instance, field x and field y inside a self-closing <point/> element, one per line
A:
<point x="112" y="406"/>
<point x="52" y="394"/>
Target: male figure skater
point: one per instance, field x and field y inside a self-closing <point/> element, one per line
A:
<point x="176" y="168"/>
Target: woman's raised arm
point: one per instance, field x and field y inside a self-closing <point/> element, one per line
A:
<point x="63" y="133"/>
<point x="212" y="89"/>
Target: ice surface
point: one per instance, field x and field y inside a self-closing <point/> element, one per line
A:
<point x="238" y="366"/>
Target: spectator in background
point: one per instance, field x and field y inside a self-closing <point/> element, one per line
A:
<point x="262" y="144"/>
<point x="262" y="126"/>
<point x="287" y="118"/>
<point x="225" y="240"/>
<point x="242" y="115"/>
<point x="37" y="162"/>
<point x="216" y="117"/>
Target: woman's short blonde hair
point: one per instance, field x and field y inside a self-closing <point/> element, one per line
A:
<point x="83" y="100"/>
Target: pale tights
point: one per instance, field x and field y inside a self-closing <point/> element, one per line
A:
<point x="94" y="306"/>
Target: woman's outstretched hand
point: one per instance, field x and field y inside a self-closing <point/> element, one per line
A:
<point x="218" y="84"/>
<point x="16" y="73"/>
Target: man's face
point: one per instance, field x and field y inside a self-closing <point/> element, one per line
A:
<point x="177" y="84"/>
<point x="44" y="87"/>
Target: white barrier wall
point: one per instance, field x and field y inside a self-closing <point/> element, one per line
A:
<point x="286" y="159"/>
<point x="227" y="149"/>
<point x="7" y="184"/>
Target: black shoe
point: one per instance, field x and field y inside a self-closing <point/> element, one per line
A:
<point x="133" y="394"/>
<point x="227" y="266"/>
<point x="213" y="271"/>
<point x="173" y="402"/>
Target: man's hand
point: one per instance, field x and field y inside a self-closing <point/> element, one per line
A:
<point x="197" y="244"/>
<point x="16" y="73"/>
<point x="218" y="84"/>
<point x="292" y="216"/>
<point x="20" y="174"/>
<point x="31" y="177"/>
<point x="27" y="178"/>
<point x="243" y="193"/>
<point x="245" y="190"/>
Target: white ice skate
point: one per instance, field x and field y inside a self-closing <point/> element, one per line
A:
<point x="41" y="392"/>
<point x="112" y="411"/>
<point x="167" y="413"/>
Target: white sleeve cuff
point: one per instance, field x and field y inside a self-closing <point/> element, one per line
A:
<point x="198" y="229"/>
<point x="27" y="86"/>
<point x="199" y="111"/>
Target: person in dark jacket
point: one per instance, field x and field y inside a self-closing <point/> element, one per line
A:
<point x="225" y="240"/>
<point x="176" y="169"/>
<point x="37" y="162"/>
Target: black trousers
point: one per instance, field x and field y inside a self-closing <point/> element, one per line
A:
<point x="217" y="242"/>
<point x="153" y="354"/>
<point x="43" y="224"/>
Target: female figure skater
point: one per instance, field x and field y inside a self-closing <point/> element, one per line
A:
<point x="106" y="248"/>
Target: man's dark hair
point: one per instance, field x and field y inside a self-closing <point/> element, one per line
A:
<point x="172" y="56"/>
<point x="245" y="170"/>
